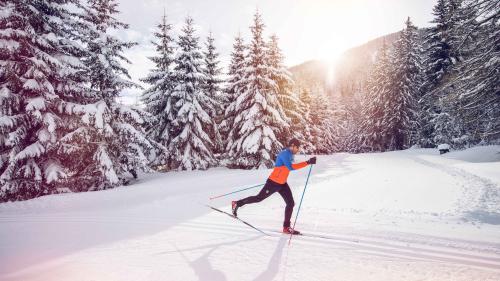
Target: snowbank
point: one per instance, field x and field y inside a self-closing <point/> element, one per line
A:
<point x="478" y="154"/>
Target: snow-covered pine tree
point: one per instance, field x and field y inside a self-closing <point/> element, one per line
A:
<point x="438" y="43"/>
<point x="401" y="121"/>
<point x="288" y="100"/>
<point x="259" y="115"/>
<point x="191" y="147"/>
<point x="323" y="132"/>
<point x="447" y="129"/>
<point x="111" y="138"/>
<point x="461" y="18"/>
<point x="158" y="99"/>
<point x="234" y="88"/>
<point x="39" y="69"/>
<point x="475" y="89"/>
<point x="440" y="55"/>
<point x="305" y="103"/>
<point x="374" y="134"/>
<point x="349" y="116"/>
<point x="213" y="88"/>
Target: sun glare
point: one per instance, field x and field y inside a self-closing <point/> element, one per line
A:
<point x="329" y="28"/>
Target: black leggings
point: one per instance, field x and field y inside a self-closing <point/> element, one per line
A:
<point x="269" y="188"/>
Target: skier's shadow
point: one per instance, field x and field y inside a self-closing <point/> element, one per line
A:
<point x="274" y="263"/>
<point x="204" y="270"/>
<point x="202" y="266"/>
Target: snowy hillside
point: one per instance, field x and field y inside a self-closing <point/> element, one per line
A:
<point x="407" y="215"/>
<point x="353" y="65"/>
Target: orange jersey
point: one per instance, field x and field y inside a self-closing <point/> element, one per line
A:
<point x="284" y="166"/>
<point x="280" y="174"/>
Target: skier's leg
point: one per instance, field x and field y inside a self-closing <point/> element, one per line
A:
<point x="286" y="193"/>
<point x="268" y="189"/>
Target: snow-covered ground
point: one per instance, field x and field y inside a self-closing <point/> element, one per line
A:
<point x="408" y="215"/>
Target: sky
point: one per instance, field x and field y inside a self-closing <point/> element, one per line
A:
<point x="307" y="29"/>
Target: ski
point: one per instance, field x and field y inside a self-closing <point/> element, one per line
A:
<point x="221" y="211"/>
<point x="309" y="235"/>
<point x="319" y="236"/>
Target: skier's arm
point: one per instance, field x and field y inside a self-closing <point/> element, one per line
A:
<point x="299" y="165"/>
<point x="305" y="163"/>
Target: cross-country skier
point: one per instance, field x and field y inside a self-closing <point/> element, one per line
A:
<point x="277" y="183"/>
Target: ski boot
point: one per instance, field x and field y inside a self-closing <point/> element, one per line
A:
<point x="234" y="206"/>
<point x="290" y="230"/>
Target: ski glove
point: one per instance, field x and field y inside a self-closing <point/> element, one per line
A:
<point x="311" y="160"/>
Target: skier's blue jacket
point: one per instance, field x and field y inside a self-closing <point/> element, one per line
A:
<point x="284" y="165"/>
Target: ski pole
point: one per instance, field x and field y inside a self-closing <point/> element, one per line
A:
<point x="300" y="204"/>
<point x="236" y="191"/>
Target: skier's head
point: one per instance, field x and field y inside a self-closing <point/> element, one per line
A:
<point x="294" y="145"/>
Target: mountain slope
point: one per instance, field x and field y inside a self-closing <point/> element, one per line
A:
<point x="353" y="65"/>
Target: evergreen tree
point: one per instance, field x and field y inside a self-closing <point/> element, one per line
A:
<point x="446" y="128"/>
<point x="374" y="133"/>
<point x="440" y="57"/>
<point x="351" y="116"/>
<point x="401" y="121"/>
<point x="158" y="99"/>
<point x="288" y="100"/>
<point x="191" y="147"/>
<point x="439" y="44"/>
<point x="111" y="138"/>
<point x="233" y="89"/>
<point x="39" y="69"/>
<point x="323" y="134"/>
<point x="306" y="131"/>
<point x="212" y="85"/>
<point x="259" y="115"/>
<point x="213" y="88"/>
<point x="461" y="17"/>
<point x="475" y="87"/>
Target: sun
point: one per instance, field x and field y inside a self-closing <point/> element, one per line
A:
<point x="330" y="54"/>
<point x="330" y="27"/>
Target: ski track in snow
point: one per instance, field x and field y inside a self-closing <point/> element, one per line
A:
<point x="360" y="223"/>
<point x="481" y="201"/>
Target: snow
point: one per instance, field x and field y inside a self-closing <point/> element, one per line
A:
<point x="477" y="154"/>
<point x="443" y="146"/>
<point x="37" y="103"/>
<point x="406" y="215"/>
<point x="53" y="171"/>
<point x="31" y="151"/>
<point x="32" y="84"/>
<point x="10" y="45"/>
<point x="6" y="121"/>
<point x="6" y="11"/>
<point x="97" y="111"/>
<point x="481" y="161"/>
<point x="49" y="120"/>
<point x="106" y="165"/>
